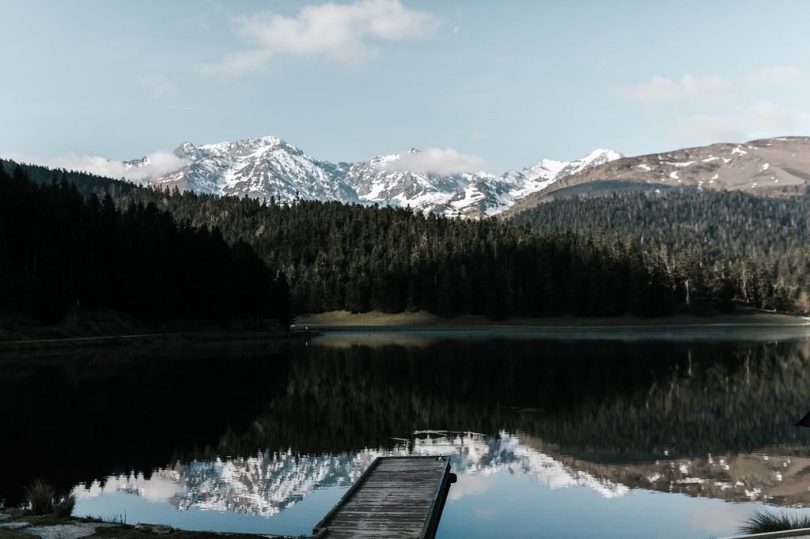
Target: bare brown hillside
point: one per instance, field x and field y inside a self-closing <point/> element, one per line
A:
<point x="769" y="167"/>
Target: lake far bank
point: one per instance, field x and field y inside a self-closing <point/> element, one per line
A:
<point x="345" y="319"/>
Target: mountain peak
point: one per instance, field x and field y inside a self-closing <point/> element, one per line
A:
<point x="602" y="154"/>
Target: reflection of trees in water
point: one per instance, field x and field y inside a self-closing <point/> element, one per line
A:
<point x="71" y="417"/>
<point x="636" y="399"/>
<point x="738" y="399"/>
<point x="92" y="415"/>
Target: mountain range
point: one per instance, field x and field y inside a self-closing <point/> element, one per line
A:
<point x="269" y="167"/>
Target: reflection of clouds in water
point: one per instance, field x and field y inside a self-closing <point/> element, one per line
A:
<point x="163" y="486"/>
<point x="468" y="484"/>
<point x="483" y="512"/>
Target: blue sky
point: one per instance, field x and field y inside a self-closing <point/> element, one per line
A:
<point x="503" y="83"/>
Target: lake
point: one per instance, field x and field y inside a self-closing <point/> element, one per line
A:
<point x="604" y="432"/>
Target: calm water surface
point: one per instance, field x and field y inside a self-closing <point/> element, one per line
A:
<point x="566" y="433"/>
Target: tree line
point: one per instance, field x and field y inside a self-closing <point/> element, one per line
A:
<point x="60" y="250"/>
<point x="761" y="245"/>
<point x="335" y="256"/>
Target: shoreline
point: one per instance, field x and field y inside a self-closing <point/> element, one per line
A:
<point x="145" y="338"/>
<point x="18" y="523"/>
<point x="424" y="320"/>
<point x="310" y="325"/>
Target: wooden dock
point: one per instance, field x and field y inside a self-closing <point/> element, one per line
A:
<point x="395" y="497"/>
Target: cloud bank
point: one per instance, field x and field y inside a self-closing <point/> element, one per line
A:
<point x="770" y="117"/>
<point x="661" y="89"/>
<point x="436" y="161"/>
<point x="344" y="33"/>
<point x="152" y="166"/>
<point x="157" y="86"/>
<point x="763" y="119"/>
<point x="706" y="128"/>
<point x="775" y="75"/>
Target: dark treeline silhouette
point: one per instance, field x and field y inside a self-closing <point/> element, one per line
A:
<point x="761" y="244"/>
<point x="60" y="250"/>
<point x="358" y="258"/>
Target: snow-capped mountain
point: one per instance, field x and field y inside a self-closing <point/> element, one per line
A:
<point x="259" y="168"/>
<point x="380" y="180"/>
<point x="473" y="195"/>
<point x="268" y="167"/>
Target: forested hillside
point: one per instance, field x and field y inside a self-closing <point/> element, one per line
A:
<point x="60" y="250"/>
<point x="338" y="256"/>
<point x="762" y="244"/>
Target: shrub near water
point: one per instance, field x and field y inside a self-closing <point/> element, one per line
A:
<point x="41" y="498"/>
<point x="767" y="521"/>
<point x="64" y="508"/>
<point x="39" y="495"/>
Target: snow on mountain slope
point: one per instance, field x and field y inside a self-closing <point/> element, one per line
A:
<point x="380" y="181"/>
<point x="471" y="195"/>
<point x="597" y="157"/>
<point x="270" y="167"/>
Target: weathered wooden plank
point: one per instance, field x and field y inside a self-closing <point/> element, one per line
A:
<point x="395" y="497"/>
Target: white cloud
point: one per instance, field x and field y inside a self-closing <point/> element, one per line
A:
<point x="771" y="117"/>
<point x="238" y="63"/>
<point x="710" y="129"/>
<point x="157" y="86"/>
<point x="436" y="161"/>
<point x="340" y="32"/>
<point x="154" y="165"/>
<point x="660" y="89"/>
<point x="775" y="75"/>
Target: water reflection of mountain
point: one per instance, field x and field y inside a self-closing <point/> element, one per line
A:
<point x="620" y="412"/>
<point x="267" y="483"/>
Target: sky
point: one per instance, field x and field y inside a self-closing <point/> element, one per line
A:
<point x="481" y="84"/>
